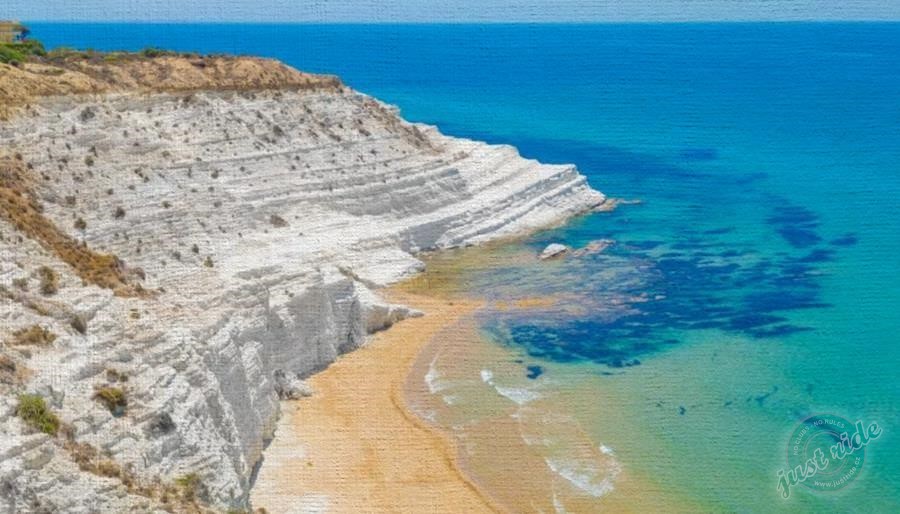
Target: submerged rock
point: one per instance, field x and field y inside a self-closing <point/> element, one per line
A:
<point x="593" y="247"/>
<point x="553" y="250"/>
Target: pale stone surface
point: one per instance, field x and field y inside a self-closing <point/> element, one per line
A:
<point x="553" y="250"/>
<point x="302" y="201"/>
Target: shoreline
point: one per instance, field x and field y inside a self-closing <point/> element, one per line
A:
<point x="355" y="445"/>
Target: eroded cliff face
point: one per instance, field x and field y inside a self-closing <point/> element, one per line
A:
<point x="251" y="228"/>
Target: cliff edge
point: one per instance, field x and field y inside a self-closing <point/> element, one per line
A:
<point x="185" y="238"/>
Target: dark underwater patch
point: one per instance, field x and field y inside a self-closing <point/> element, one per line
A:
<point x="796" y="224"/>
<point x="777" y="331"/>
<point x="699" y="154"/>
<point x="845" y="240"/>
<point x="533" y="372"/>
<point x="683" y="273"/>
<point x="799" y="237"/>
<point x="818" y="255"/>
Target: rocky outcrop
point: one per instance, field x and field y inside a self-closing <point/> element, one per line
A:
<point x="553" y="250"/>
<point x="257" y="224"/>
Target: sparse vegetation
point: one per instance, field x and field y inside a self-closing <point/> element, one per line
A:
<point x="119" y="213"/>
<point x="152" y="52"/>
<point x="79" y="324"/>
<point x="34" y="335"/>
<point x="21" y="283"/>
<point x="33" y="410"/>
<point x="49" y="280"/>
<point x="277" y="221"/>
<point x="208" y="262"/>
<point x="190" y="485"/>
<point x="19" y="206"/>
<point x="114" y="398"/>
<point x="20" y="51"/>
<point x="11" y="55"/>
<point x="80" y="224"/>
<point x="114" y="375"/>
<point x="10" y="372"/>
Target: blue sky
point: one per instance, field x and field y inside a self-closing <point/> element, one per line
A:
<point x="450" y="10"/>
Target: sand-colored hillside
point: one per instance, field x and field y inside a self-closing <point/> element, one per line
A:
<point x="109" y="73"/>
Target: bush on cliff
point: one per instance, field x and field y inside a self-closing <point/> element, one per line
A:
<point x="19" y="52"/>
<point x="33" y="410"/>
<point x="113" y="398"/>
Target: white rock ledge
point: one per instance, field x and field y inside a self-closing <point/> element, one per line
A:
<point x="357" y="191"/>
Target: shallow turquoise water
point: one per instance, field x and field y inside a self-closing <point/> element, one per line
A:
<point x="757" y="282"/>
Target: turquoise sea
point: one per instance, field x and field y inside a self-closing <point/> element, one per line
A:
<point x="756" y="283"/>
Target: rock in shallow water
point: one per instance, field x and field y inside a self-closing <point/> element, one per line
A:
<point x="553" y="250"/>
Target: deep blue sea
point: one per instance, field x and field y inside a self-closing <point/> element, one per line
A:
<point x="756" y="283"/>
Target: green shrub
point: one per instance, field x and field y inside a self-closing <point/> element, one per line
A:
<point x="10" y="55"/>
<point x="34" y="411"/>
<point x="156" y="52"/>
<point x="16" y="53"/>
<point x="30" y="47"/>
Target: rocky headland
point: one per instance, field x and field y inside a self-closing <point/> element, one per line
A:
<point x="185" y="238"/>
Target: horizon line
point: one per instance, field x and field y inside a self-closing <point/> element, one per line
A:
<point x="472" y="22"/>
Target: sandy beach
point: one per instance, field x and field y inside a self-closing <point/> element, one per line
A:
<point x="353" y="446"/>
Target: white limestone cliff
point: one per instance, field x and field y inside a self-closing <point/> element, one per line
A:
<point x="263" y="221"/>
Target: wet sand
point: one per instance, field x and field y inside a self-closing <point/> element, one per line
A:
<point x="354" y="446"/>
<point x="493" y="431"/>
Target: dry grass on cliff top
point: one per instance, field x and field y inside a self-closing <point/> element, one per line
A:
<point x="72" y="72"/>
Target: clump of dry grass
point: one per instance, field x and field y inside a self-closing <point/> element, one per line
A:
<point x="18" y="205"/>
<point x="90" y="459"/>
<point x="114" y="398"/>
<point x="190" y="485"/>
<point x="34" y="335"/>
<point x="12" y="373"/>
<point x="114" y="375"/>
<point x="49" y="280"/>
